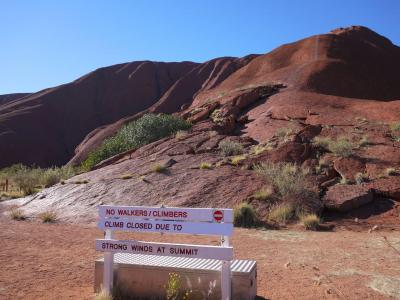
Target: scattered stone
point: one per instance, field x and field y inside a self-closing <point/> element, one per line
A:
<point x="373" y="228"/>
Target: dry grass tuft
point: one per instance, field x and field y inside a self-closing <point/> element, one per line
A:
<point x="391" y="172"/>
<point x="288" y="179"/>
<point x="360" y="178"/>
<point x="205" y="166"/>
<point x="364" y="141"/>
<point x="103" y="295"/>
<point x="181" y="134"/>
<point x="229" y="148"/>
<point x="48" y="217"/>
<point x="342" y="146"/>
<point x="264" y="194"/>
<point x="310" y="221"/>
<point x="159" y="168"/>
<point x="17" y="214"/>
<point x="281" y="213"/>
<point x="126" y="176"/>
<point x="244" y="216"/>
<point x="237" y="159"/>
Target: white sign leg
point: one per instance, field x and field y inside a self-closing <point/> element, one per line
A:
<point x="108" y="267"/>
<point x="226" y="284"/>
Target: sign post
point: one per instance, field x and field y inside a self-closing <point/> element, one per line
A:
<point x="206" y="221"/>
<point x="108" y="267"/>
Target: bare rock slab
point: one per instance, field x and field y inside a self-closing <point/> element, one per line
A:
<point x="344" y="198"/>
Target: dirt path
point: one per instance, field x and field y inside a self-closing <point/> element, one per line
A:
<point x="56" y="261"/>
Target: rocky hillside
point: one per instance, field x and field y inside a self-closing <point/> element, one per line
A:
<point x="52" y="122"/>
<point x="11" y="97"/>
<point x="329" y="103"/>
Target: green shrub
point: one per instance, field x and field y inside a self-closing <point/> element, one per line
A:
<point x="281" y="213"/>
<point x="145" y="130"/>
<point x="229" y="148"/>
<point x="244" y="216"/>
<point x="28" y="179"/>
<point x="205" y="166"/>
<point x="17" y="214"/>
<point x="310" y="221"/>
<point x="51" y="177"/>
<point x="48" y="217"/>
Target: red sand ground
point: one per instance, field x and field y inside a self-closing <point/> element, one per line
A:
<point x="56" y="261"/>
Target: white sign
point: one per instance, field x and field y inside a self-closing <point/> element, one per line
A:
<point x="167" y="213"/>
<point x="167" y="226"/>
<point x="179" y="250"/>
<point x="208" y="221"/>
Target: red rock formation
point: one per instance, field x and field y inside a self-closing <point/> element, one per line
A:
<point x="335" y="85"/>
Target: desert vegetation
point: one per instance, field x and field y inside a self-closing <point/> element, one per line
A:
<point x="291" y="195"/>
<point x="244" y="216"/>
<point x="229" y="148"/>
<point x="310" y="221"/>
<point x="126" y="176"/>
<point x="24" y="180"/>
<point x="361" y="178"/>
<point x="173" y="288"/>
<point x="159" y="168"/>
<point x="17" y="214"/>
<point x="284" y="133"/>
<point x="342" y="146"/>
<point x="237" y="159"/>
<point x="395" y="131"/>
<point x="145" y="130"/>
<point x="48" y="217"/>
<point x="205" y="166"/>
<point x="281" y="213"/>
<point x="264" y="194"/>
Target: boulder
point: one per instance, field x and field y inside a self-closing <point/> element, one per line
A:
<point x="343" y="198"/>
<point x="348" y="167"/>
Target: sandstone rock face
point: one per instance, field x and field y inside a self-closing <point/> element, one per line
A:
<point x="344" y="198"/>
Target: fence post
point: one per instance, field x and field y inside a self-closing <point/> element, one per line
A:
<point x="108" y="266"/>
<point x="226" y="284"/>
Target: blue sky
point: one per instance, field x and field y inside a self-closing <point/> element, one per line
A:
<point x="47" y="43"/>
